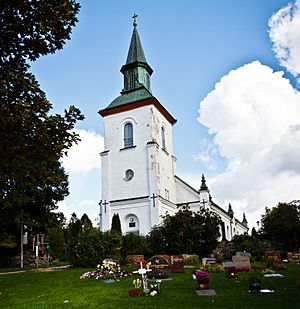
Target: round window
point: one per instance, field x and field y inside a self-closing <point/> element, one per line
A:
<point x="129" y="174"/>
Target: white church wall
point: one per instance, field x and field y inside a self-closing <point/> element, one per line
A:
<point x="166" y="162"/>
<point x="122" y="159"/>
<point x="184" y="193"/>
<point x="133" y="209"/>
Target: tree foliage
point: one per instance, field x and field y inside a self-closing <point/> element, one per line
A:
<point x="248" y="243"/>
<point x="116" y="224"/>
<point x="87" y="246"/>
<point x="281" y="224"/>
<point x="134" y="244"/>
<point x="186" y="232"/>
<point x="32" y="180"/>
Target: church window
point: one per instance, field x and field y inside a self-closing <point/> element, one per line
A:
<point x="128" y="135"/>
<point x="163" y="139"/>
<point x="131" y="80"/>
<point x="129" y="174"/>
<point x="167" y="194"/>
<point x="147" y="81"/>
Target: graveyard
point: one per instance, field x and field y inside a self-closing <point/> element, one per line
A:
<point x="49" y="288"/>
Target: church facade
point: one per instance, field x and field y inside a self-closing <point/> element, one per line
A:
<point x="139" y="181"/>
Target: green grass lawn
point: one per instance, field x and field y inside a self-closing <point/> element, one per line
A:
<point x="64" y="289"/>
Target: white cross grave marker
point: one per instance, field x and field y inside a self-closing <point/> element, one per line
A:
<point x="142" y="271"/>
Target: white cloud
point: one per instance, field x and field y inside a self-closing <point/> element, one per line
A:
<point x="285" y="34"/>
<point x="89" y="207"/>
<point x="254" y="116"/>
<point x="84" y="156"/>
<point x="207" y="154"/>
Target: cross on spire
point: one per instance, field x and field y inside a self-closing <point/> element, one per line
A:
<point x="134" y="20"/>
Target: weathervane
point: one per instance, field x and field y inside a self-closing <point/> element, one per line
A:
<point x="134" y="20"/>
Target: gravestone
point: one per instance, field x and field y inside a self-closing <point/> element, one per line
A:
<point x="293" y="257"/>
<point x="230" y="269"/>
<point x="206" y="292"/>
<point x="137" y="258"/>
<point x="207" y="260"/>
<point x="273" y="256"/>
<point x="160" y="267"/>
<point x="242" y="263"/>
<point x="243" y="253"/>
<point x="177" y="263"/>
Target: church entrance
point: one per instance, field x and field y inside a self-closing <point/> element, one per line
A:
<point x="132" y="224"/>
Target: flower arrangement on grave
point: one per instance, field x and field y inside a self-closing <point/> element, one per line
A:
<point x="136" y="291"/>
<point x="202" y="278"/>
<point x="109" y="270"/>
<point x="213" y="268"/>
<point x="231" y="272"/>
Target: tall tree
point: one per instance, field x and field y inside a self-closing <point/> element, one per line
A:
<point x="281" y="224"/>
<point x="186" y="232"/>
<point x="32" y="179"/>
<point x="116" y="224"/>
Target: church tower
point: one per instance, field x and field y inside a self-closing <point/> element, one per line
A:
<point x="138" y="166"/>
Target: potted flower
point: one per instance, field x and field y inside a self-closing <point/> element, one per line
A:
<point x="136" y="291"/>
<point x="202" y="278"/>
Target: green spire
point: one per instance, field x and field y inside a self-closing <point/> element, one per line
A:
<point x="136" y="71"/>
<point x="203" y="184"/>
<point x="230" y="211"/>
<point x="245" y="222"/>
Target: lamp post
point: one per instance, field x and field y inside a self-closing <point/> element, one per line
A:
<point x="22" y="240"/>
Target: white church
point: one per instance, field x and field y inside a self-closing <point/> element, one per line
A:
<point x="139" y="181"/>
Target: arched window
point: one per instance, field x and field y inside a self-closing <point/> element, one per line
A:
<point x="131" y="80"/>
<point x="128" y="135"/>
<point x="163" y="139"/>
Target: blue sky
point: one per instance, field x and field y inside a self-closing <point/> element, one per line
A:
<point x="192" y="46"/>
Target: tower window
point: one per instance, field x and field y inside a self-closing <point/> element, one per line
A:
<point x="128" y="135"/>
<point x="163" y="139"/>
<point x="129" y="174"/>
<point x="131" y="80"/>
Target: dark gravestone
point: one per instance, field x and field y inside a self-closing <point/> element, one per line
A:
<point x="160" y="268"/>
<point x="177" y="263"/>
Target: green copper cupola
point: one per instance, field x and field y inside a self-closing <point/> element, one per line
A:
<point x="136" y="71"/>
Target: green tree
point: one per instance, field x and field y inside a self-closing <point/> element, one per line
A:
<point x="87" y="246"/>
<point x="116" y="224"/>
<point x="32" y="179"/>
<point x="281" y="224"/>
<point x="134" y="244"/>
<point x="186" y="232"/>
<point x="248" y="243"/>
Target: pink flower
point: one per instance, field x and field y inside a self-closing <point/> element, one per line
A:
<point x="202" y="276"/>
